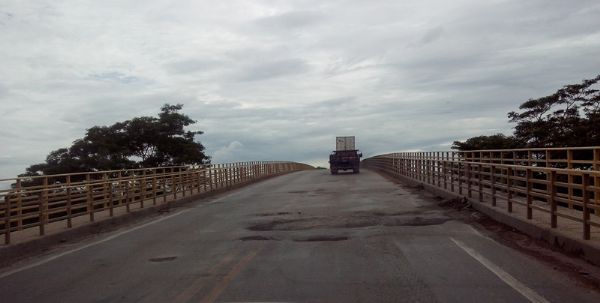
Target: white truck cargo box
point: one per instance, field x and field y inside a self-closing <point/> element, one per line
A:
<point x="344" y="143"/>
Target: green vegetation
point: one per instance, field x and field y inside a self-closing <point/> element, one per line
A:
<point x="135" y="143"/>
<point x="497" y="141"/>
<point x="568" y="117"/>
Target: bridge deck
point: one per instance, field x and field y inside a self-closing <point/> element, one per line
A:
<point x="302" y="237"/>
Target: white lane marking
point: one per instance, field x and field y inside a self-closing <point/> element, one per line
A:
<point x="476" y="231"/>
<point x="222" y="198"/>
<point x="111" y="237"/>
<point x="525" y="291"/>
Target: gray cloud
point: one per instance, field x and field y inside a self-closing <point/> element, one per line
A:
<point x="114" y="76"/>
<point x="193" y="66"/>
<point x="432" y="35"/>
<point x="272" y="69"/>
<point x="289" y="20"/>
<point x="279" y="80"/>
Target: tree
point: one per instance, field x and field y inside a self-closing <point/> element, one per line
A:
<point x="568" y="117"/>
<point x="139" y="142"/>
<point x="497" y="141"/>
<point x="164" y="141"/>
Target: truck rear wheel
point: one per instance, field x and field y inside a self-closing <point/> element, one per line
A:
<point x="334" y="172"/>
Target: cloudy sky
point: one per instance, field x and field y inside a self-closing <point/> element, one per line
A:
<point x="280" y="79"/>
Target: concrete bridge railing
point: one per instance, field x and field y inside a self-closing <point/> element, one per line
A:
<point x="35" y="202"/>
<point x="549" y="183"/>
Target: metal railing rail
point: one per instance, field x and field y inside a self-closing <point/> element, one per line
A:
<point x="571" y="194"/>
<point x="558" y="157"/>
<point x="34" y="202"/>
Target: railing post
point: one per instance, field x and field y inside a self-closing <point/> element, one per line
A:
<point x="445" y="174"/>
<point x="418" y="167"/>
<point x="430" y="179"/>
<point x="183" y="178"/>
<point x="586" y="211"/>
<point x="438" y="169"/>
<point x="552" y="198"/>
<point x="249" y="168"/>
<point x="104" y="191"/>
<point x="19" y="205"/>
<point x="173" y="183"/>
<point x="597" y="179"/>
<point x="451" y="176"/>
<point x="228" y="175"/>
<point x="460" y="179"/>
<point x="127" y="197"/>
<point x="223" y="178"/>
<point x="164" y="185"/>
<point x="216" y="173"/>
<point x="217" y="176"/>
<point x="198" y="180"/>
<point x="120" y="187"/>
<point x="570" y="177"/>
<point x="203" y="178"/>
<point x="234" y="173"/>
<point x="422" y="176"/>
<point x="509" y="193"/>
<point x="493" y="182"/>
<point x="89" y="197"/>
<point x="210" y="177"/>
<point x="469" y="185"/>
<point x="7" y="215"/>
<point x="111" y="201"/>
<point x="480" y="180"/>
<point x="224" y="175"/>
<point x="528" y="174"/>
<point x="415" y="167"/>
<point x="243" y="172"/>
<point x="154" y="185"/>
<point x="423" y="168"/>
<point x="143" y="191"/>
<point x="43" y="205"/>
<point x="190" y="179"/>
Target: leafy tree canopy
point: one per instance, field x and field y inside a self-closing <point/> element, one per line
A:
<point x="135" y="143"/>
<point x="497" y="141"/>
<point x="568" y="117"/>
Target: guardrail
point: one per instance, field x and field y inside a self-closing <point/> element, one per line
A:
<point x="536" y="185"/>
<point x="34" y="202"/>
<point x="557" y="157"/>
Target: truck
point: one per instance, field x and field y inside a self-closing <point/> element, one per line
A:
<point x="345" y="156"/>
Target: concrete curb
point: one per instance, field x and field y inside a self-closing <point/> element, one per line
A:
<point x="552" y="236"/>
<point x="14" y="252"/>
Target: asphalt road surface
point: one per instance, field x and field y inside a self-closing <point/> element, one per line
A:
<point x="303" y="237"/>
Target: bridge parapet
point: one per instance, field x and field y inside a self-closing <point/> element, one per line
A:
<point x="558" y="157"/>
<point x="34" y="202"/>
<point x="558" y="182"/>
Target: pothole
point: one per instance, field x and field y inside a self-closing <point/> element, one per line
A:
<point x="257" y="238"/>
<point x="322" y="238"/>
<point x="273" y="214"/>
<point x="348" y="222"/>
<point x="163" y="259"/>
<point x="417" y="221"/>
